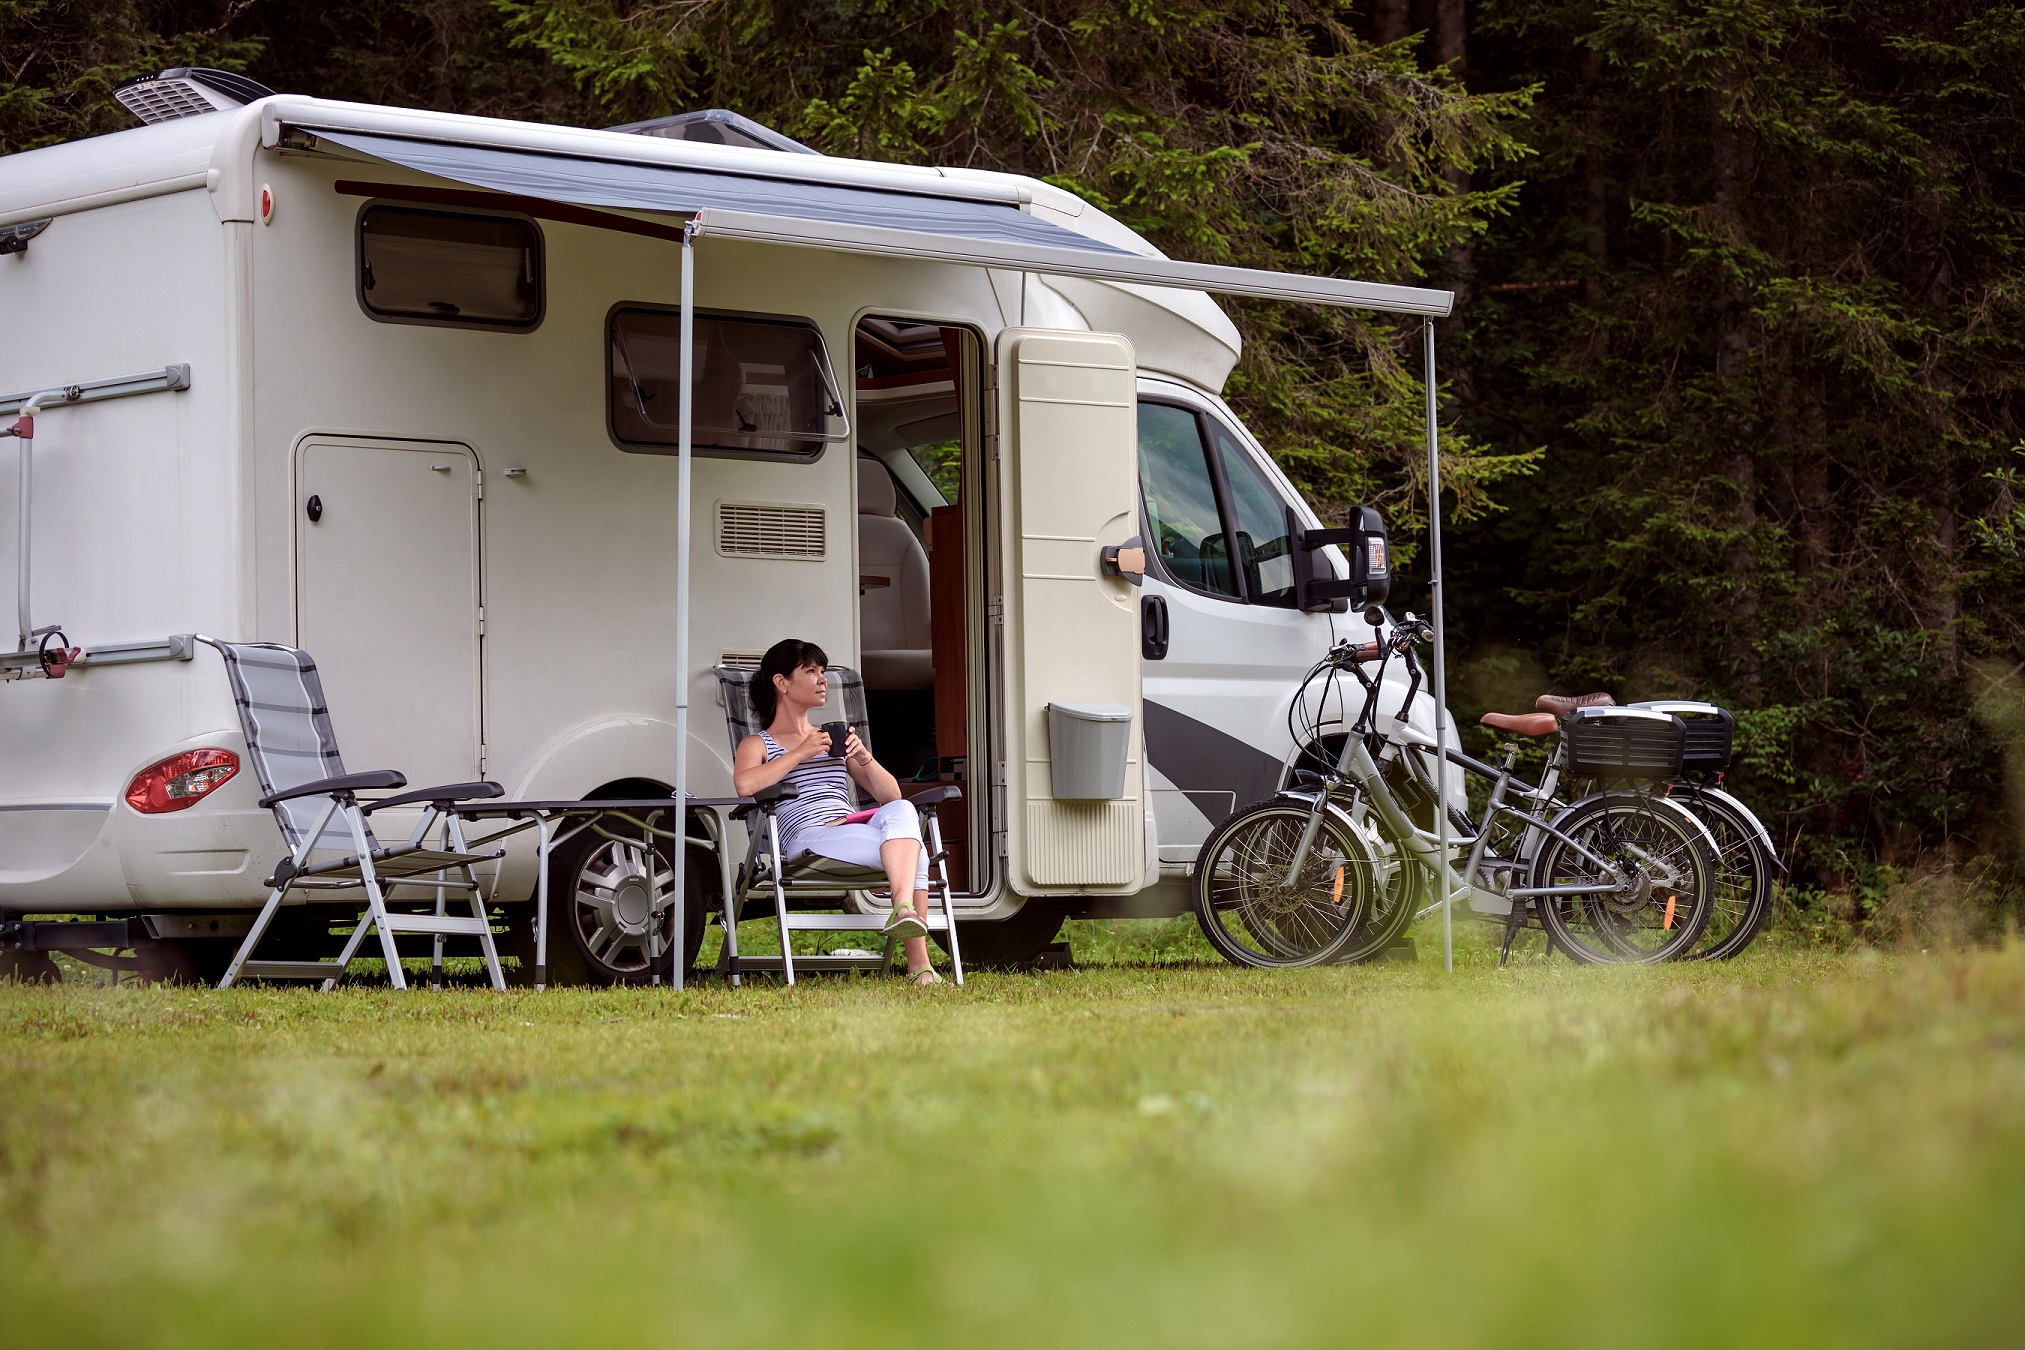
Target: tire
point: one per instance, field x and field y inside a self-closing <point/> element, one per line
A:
<point x="605" y="925"/>
<point x="200" y="963"/>
<point x="1011" y="943"/>
<point x="1248" y="910"/>
<point x="1662" y="865"/>
<point x="1396" y="898"/>
<point x="1744" y="867"/>
<point x="29" y="968"/>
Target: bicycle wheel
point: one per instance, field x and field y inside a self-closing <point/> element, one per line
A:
<point x="1397" y="885"/>
<point x="1254" y="913"/>
<point x="1658" y="866"/>
<point x="1744" y="866"/>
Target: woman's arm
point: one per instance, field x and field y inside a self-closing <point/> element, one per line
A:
<point x="870" y="774"/>
<point x="751" y="770"/>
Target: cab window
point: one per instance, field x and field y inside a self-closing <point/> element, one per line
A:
<point x="1181" y="501"/>
<point x="1258" y="519"/>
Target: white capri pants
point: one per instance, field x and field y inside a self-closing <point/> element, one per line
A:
<point x="860" y="843"/>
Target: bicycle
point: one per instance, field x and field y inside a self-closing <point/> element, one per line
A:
<point x="1746" y="857"/>
<point x="1329" y="869"/>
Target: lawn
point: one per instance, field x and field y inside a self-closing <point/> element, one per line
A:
<point x="1795" y="1149"/>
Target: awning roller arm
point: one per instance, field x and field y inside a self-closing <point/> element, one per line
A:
<point x="716" y="222"/>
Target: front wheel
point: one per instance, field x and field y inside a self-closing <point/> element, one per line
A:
<point x="1651" y="876"/>
<point x="1259" y="908"/>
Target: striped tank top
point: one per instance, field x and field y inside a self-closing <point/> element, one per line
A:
<point x="825" y="790"/>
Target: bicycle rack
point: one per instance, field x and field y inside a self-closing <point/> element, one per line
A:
<point x="34" y="656"/>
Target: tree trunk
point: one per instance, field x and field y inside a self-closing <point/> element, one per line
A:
<point x="1733" y="352"/>
<point x="1389" y="20"/>
<point x="1595" y="180"/>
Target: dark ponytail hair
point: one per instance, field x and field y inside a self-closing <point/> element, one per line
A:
<point x="783" y="658"/>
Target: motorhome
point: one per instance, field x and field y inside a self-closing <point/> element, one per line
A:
<point x="397" y="387"/>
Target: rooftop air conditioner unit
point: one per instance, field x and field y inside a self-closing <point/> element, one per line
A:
<point x="186" y="91"/>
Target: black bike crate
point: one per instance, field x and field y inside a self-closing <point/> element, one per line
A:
<point x="1623" y="743"/>
<point x="1711" y="732"/>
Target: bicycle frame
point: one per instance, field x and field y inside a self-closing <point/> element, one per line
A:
<point x="1358" y="769"/>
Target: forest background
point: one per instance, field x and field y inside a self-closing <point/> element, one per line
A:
<point x="1731" y="399"/>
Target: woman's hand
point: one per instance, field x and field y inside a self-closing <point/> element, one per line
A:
<point x="812" y="746"/>
<point x="869" y="773"/>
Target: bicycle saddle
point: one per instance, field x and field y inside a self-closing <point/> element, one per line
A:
<point x="1525" y="724"/>
<point x="1562" y="704"/>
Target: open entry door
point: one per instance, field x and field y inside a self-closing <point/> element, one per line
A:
<point x="1070" y="486"/>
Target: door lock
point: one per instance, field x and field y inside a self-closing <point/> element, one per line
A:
<point x="314" y="509"/>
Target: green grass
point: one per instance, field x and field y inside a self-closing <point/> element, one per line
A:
<point x="1796" y="1149"/>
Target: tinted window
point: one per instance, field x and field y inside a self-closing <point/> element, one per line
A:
<point x="449" y="267"/>
<point x="1260" y="520"/>
<point x="1181" y="501"/>
<point x="763" y="386"/>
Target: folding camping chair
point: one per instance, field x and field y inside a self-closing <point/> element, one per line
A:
<point x="809" y="881"/>
<point x="302" y="778"/>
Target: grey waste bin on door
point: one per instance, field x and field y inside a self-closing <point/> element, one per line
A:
<point x="1087" y="745"/>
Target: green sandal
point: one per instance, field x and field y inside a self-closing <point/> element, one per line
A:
<point x="923" y="977"/>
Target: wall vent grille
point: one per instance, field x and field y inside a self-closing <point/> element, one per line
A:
<point x="767" y="530"/>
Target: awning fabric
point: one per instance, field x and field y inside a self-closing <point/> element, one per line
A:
<point x="852" y="219"/>
<point x="648" y="187"/>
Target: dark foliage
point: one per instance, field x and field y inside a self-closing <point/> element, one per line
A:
<point x="1732" y="396"/>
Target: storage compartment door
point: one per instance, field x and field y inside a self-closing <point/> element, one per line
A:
<point x="1069" y="466"/>
<point x="387" y="601"/>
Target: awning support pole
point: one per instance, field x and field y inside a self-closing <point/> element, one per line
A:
<point x="1441" y="731"/>
<point x="678" y="947"/>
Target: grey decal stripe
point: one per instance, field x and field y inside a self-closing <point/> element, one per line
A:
<point x="1196" y="757"/>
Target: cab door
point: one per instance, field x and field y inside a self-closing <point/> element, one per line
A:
<point x="1069" y="487"/>
<point x="1236" y="648"/>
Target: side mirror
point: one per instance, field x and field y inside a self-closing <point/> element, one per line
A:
<point x="1364" y="545"/>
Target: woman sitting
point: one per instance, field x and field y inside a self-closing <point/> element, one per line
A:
<point x="789" y="685"/>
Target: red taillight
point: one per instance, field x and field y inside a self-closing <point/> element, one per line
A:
<point x="180" y="780"/>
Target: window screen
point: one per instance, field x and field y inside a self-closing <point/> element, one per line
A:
<point x="1261" y="524"/>
<point x="1181" y="501"/>
<point x="763" y="386"/>
<point x="448" y="267"/>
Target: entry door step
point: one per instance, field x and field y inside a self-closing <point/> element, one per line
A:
<point x="291" y="970"/>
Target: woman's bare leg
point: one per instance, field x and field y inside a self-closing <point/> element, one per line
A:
<point x="901" y="858"/>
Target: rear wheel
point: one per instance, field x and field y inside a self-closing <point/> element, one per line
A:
<point x="1258" y="909"/>
<point x="1744" y="867"/>
<point x="1658" y="870"/>
<point x="611" y="909"/>
<point x="29" y="968"/>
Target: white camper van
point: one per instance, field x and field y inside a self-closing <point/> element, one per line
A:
<point x="397" y="387"/>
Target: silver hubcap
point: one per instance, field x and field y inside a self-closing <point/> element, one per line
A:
<point x="622" y="899"/>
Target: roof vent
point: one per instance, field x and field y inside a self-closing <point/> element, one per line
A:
<point x="186" y="91"/>
<point x="717" y="126"/>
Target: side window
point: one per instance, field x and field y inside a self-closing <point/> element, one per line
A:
<point x="450" y="268"/>
<point x="764" y="388"/>
<point x="1188" y="533"/>
<point x="1260" y="524"/>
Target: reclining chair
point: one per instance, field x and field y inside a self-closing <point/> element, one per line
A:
<point x="302" y="778"/>
<point x="808" y="881"/>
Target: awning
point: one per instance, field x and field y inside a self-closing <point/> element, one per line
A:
<point x="849" y="219"/>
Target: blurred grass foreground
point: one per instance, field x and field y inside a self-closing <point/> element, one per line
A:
<point x="1797" y="1149"/>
